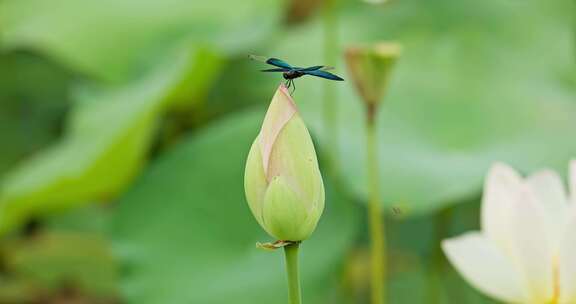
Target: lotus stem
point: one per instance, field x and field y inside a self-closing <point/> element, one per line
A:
<point x="330" y="99"/>
<point x="442" y="222"/>
<point x="376" y="222"/>
<point x="294" y="290"/>
<point x="574" y="25"/>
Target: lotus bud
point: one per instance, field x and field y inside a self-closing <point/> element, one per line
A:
<point x="282" y="180"/>
<point x="370" y="68"/>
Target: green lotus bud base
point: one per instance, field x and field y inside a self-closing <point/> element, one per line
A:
<point x="275" y="245"/>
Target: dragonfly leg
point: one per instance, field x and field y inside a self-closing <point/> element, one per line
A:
<point x="293" y="86"/>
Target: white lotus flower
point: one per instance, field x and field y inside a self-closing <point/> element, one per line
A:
<point x="526" y="251"/>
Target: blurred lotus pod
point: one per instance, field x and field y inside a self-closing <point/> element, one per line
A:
<point x="299" y="11"/>
<point x="283" y="184"/>
<point x="370" y="68"/>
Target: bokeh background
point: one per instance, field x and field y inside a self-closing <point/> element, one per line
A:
<point x="125" y="125"/>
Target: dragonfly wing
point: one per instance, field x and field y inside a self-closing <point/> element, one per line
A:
<point x="279" y="63"/>
<point x="315" y="68"/>
<point x="275" y="70"/>
<point x="312" y="68"/>
<point x="257" y="58"/>
<point x="284" y="67"/>
<point x="323" y="74"/>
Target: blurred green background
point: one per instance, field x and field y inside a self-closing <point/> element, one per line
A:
<point x="125" y="125"/>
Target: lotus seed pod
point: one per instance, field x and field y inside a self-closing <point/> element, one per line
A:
<point x="370" y="68"/>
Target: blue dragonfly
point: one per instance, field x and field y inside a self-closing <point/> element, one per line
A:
<point x="290" y="73"/>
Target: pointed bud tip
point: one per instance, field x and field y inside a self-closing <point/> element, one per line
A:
<point x="287" y="97"/>
<point x="281" y="110"/>
<point x="283" y="88"/>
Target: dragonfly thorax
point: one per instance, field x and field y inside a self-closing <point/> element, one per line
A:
<point x="291" y="74"/>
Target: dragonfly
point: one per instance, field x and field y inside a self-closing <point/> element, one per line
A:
<point x="290" y="73"/>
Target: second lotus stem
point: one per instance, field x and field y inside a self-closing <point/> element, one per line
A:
<point x="376" y="222"/>
<point x="330" y="20"/>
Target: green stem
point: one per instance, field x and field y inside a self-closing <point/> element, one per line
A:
<point x="442" y="221"/>
<point x="291" y="253"/>
<point x="574" y="25"/>
<point x="377" y="234"/>
<point x="330" y="58"/>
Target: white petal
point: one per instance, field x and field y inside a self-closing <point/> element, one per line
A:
<point x="485" y="267"/>
<point x="549" y="191"/>
<point x="531" y="247"/>
<point x="567" y="263"/>
<point x="501" y="190"/>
